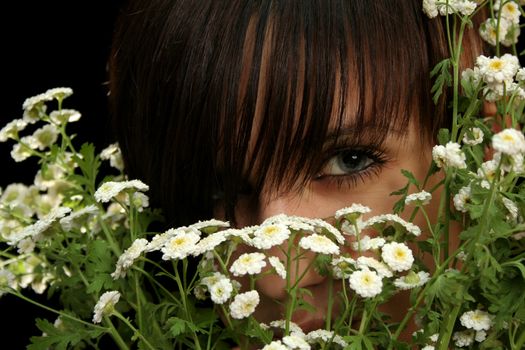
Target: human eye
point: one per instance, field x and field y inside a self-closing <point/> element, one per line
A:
<point x="350" y="165"/>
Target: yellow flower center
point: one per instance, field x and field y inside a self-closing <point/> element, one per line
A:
<point x="508" y="138"/>
<point x="496" y="65"/>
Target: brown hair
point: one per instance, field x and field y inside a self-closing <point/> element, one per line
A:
<point x="208" y="94"/>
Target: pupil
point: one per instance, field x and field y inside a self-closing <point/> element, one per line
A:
<point x="353" y="160"/>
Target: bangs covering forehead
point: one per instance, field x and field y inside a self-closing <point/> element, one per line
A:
<point x="307" y="71"/>
<point x="210" y="95"/>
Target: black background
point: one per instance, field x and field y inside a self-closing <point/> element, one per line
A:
<point x="47" y="44"/>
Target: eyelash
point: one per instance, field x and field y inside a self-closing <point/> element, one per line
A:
<point x="378" y="160"/>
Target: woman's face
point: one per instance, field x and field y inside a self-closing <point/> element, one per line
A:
<point x="357" y="175"/>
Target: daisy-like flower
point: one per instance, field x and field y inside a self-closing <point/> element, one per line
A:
<point x="128" y="257"/>
<point x="114" y="155"/>
<point x="366" y="283"/>
<point x="430" y="8"/>
<point x="342" y="267"/>
<point x="319" y="244"/>
<point x="379" y="221"/>
<point x="139" y="200"/>
<point x="366" y="263"/>
<point x="325" y="336"/>
<point x="498" y="69"/>
<point x="473" y="136"/>
<point x="294" y="328"/>
<point x="449" y="155"/>
<point x="428" y="347"/>
<point x="397" y="256"/>
<point x="68" y="222"/>
<point x="209" y="243"/>
<point x="248" y="263"/>
<point x="105" y="305"/>
<point x="477" y="320"/>
<point x="110" y="189"/>
<point x="209" y="281"/>
<point x="11" y="129"/>
<point x="509" y="141"/>
<point x="462" y="198"/>
<point x="159" y="240"/>
<point x="180" y="245"/>
<point x="463" y="339"/>
<point x="38" y="228"/>
<point x="510" y="11"/>
<point x="244" y="304"/>
<point x="200" y="225"/>
<point x="64" y="116"/>
<point x="296" y="341"/>
<point x="278" y="266"/>
<point x="7" y="280"/>
<point x="19" y="153"/>
<point x="221" y="291"/>
<point x="352" y="213"/>
<point x="511" y="207"/>
<point x="520" y="75"/>
<point x="269" y="235"/>
<point x="275" y="345"/>
<point x="367" y="243"/>
<point x="488" y="30"/>
<point x="296" y="223"/>
<point x="412" y="280"/>
<point x="419" y="198"/>
<point x="322" y="227"/>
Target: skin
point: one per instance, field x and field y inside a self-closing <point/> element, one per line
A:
<point x="320" y="198"/>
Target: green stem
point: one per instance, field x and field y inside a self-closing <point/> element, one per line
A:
<point x="520" y="344"/>
<point x="136" y="331"/>
<point x="116" y="335"/>
<point x="444" y="339"/>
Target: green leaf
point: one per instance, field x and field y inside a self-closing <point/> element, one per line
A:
<point x="443" y="78"/>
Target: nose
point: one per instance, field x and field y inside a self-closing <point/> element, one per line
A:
<point x="301" y="262"/>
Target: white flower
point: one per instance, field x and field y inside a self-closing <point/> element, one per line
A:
<point x="114" y="155"/>
<point x="412" y="280"/>
<point x="509" y="141"/>
<point x="319" y="244"/>
<point x="159" y="240"/>
<point x="26" y="246"/>
<point x="381" y="220"/>
<point x="419" y="198"/>
<point x="209" y="281"/>
<point x="342" y="267"/>
<point x="38" y="228"/>
<point x="428" y="347"/>
<point x="296" y="223"/>
<point x="430" y="8"/>
<point x="511" y="207"/>
<point x="244" y="304"/>
<point x="278" y="266"/>
<point x="221" y="291"/>
<point x="471" y="75"/>
<point x="325" y="336"/>
<point x="269" y="235"/>
<point x="200" y="225"/>
<point x="67" y="222"/>
<point x="180" y="245"/>
<point x="449" y="155"/>
<point x="488" y="30"/>
<point x="105" y="305"/>
<point x="128" y="257"/>
<point x="248" y="263"/>
<point x="511" y="12"/>
<point x="366" y="283"/>
<point x="520" y="75"/>
<point x="434" y="337"/>
<point x="480" y="336"/>
<point x="462" y="198"/>
<point x="322" y="226"/>
<point x="20" y="153"/>
<point x="352" y="212"/>
<point x="366" y="262"/>
<point x="463" y="338"/>
<point x="294" y="328"/>
<point x="487" y="172"/>
<point x="139" y="200"/>
<point x="209" y="243"/>
<point x="11" y="129"/>
<point x="110" y="189"/>
<point x="367" y="243"/>
<point x="275" y="345"/>
<point x="477" y="320"/>
<point x="397" y="256"/>
<point x="473" y="136"/>
<point x="64" y="116"/>
<point x="462" y="7"/>
<point x="296" y="341"/>
<point x="7" y="280"/>
<point x="498" y="69"/>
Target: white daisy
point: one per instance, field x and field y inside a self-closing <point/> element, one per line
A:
<point x="64" y="116"/>
<point x="473" y="136"/>
<point x="498" y="69"/>
<point x="128" y="257"/>
<point x="105" y="305"/>
<point x="366" y="283"/>
<point x="296" y="223"/>
<point x="342" y="267"/>
<point x="511" y="12"/>
<point x="200" y="225"/>
<point x="11" y="129"/>
<point x="19" y="153"/>
<point x="278" y="266"/>
<point x="397" y="256"/>
<point x="511" y="207"/>
<point x="366" y="262"/>
<point x="463" y="338"/>
<point x="296" y="341"/>
<point x="269" y="235"/>
<point x="209" y="281"/>
<point x="488" y="30"/>
<point x="221" y="291"/>
<point x="379" y="221"/>
<point x="419" y="198"/>
<point x="209" y="243"/>
<point x="477" y="320"/>
<point x="412" y="280"/>
<point x="67" y="222"/>
<point x="367" y="243"/>
<point x="325" y="336"/>
<point x="480" y="336"/>
<point x="449" y="155"/>
<point x="319" y="244"/>
<point x="509" y="141"/>
<point x="275" y="345"/>
<point x="430" y="8"/>
<point x="244" y="304"/>
<point x="180" y="245"/>
<point x="352" y="212"/>
<point x="248" y="263"/>
<point x="159" y="240"/>
<point x="111" y="189"/>
<point x="462" y="198"/>
<point x="294" y="328"/>
<point x="7" y="280"/>
<point x="38" y="228"/>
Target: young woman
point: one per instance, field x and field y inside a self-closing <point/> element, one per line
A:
<point x="241" y="110"/>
